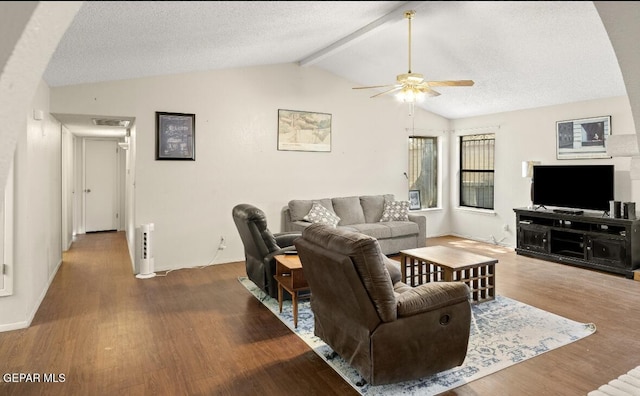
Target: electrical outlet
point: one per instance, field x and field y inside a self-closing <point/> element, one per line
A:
<point x="505" y="227"/>
<point x="222" y="245"/>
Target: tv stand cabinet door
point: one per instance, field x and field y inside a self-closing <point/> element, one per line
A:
<point x="608" y="251"/>
<point x="534" y="238"/>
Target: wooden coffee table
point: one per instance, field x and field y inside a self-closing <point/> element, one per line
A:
<point x="290" y="277"/>
<point x="442" y="263"/>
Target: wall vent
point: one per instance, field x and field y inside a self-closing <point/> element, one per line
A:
<point x="111" y="122"/>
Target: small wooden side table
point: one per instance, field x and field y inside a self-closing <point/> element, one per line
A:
<point x="290" y="277"/>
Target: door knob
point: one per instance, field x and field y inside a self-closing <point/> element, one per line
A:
<point x="88" y="190"/>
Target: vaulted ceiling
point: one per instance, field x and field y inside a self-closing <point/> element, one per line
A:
<point x="520" y="54"/>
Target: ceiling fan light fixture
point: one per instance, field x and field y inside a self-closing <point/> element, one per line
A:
<point x="410" y="94"/>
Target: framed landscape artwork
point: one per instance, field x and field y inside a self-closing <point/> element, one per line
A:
<point x="175" y="136"/>
<point x="583" y="138"/>
<point x="304" y="131"/>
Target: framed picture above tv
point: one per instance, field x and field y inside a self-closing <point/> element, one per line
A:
<point x="583" y="138"/>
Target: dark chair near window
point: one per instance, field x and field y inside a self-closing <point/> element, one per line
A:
<point x="388" y="331"/>
<point x="261" y="246"/>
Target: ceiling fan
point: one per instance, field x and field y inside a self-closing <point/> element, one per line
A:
<point x="412" y="86"/>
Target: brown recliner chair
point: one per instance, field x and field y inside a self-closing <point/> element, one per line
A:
<point x="387" y="330"/>
<point x="261" y="246"/>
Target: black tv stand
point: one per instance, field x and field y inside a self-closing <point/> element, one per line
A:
<point x="589" y="240"/>
<point x="569" y="211"/>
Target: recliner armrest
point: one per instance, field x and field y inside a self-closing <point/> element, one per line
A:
<point x="284" y="239"/>
<point x="269" y="257"/>
<point x="431" y="296"/>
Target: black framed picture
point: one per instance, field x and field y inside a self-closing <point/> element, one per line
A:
<point x="175" y="136"/>
<point x="584" y="138"/>
<point x="414" y="200"/>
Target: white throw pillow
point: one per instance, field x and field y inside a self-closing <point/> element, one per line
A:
<point x="395" y="211"/>
<point x="320" y="214"/>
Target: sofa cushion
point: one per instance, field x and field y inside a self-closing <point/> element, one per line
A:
<point x="376" y="230"/>
<point x="320" y="214"/>
<point x="401" y="228"/>
<point x="349" y="210"/>
<point x="298" y="208"/>
<point x="395" y="211"/>
<point x="373" y="205"/>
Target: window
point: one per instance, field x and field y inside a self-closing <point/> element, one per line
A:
<point x="423" y="169"/>
<point x="477" y="170"/>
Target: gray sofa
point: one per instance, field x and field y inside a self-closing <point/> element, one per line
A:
<point x="363" y="214"/>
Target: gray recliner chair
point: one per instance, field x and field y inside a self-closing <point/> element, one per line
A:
<point x="388" y="331"/>
<point x="260" y="246"/>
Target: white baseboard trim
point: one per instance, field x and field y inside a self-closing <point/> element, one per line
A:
<point x="26" y="323"/>
<point x="14" y="326"/>
<point x="488" y="241"/>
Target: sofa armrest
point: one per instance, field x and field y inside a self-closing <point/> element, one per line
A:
<point x="286" y="219"/>
<point x="431" y="296"/>
<point x="422" y="228"/>
<point x="285" y="239"/>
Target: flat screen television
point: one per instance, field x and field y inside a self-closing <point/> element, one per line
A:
<point x="573" y="186"/>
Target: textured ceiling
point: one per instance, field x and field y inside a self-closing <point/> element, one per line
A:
<point x="520" y="54"/>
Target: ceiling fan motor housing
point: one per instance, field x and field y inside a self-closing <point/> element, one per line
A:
<point x="410" y="78"/>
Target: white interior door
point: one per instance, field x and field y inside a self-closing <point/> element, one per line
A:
<point x="100" y="185"/>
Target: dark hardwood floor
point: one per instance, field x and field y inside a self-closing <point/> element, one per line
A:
<point x="199" y="332"/>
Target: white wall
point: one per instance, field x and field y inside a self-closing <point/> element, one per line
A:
<point x="237" y="160"/>
<point x="531" y="135"/>
<point x="68" y="190"/>
<point x="129" y="194"/>
<point x="38" y="219"/>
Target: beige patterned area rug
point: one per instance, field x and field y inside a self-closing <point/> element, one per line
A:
<point x="504" y="332"/>
<point x="625" y="385"/>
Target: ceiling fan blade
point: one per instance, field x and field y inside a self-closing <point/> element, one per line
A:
<point x="451" y="83"/>
<point x="374" y="86"/>
<point x="428" y="91"/>
<point x="395" y="88"/>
